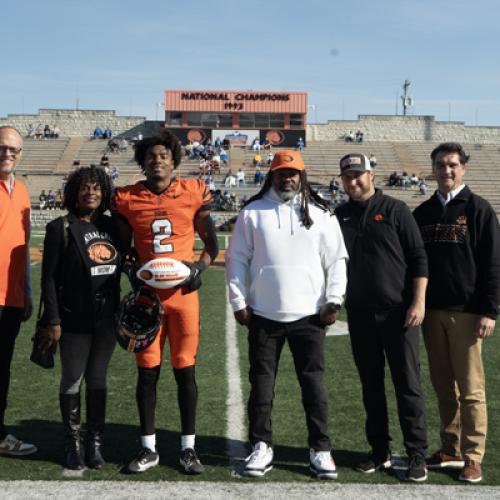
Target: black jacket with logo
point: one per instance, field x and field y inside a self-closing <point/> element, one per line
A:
<point x="80" y="274"/>
<point x="462" y="240"/>
<point x="385" y="253"/>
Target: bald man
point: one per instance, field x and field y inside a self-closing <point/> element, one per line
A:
<point x="15" y="290"/>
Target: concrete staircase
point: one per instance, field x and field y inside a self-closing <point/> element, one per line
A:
<point x="66" y="162"/>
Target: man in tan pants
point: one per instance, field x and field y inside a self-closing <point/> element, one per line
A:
<point x="462" y="239"/>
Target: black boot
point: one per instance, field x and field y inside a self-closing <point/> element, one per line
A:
<point x="96" y="411"/>
<point x="70" y="411"/>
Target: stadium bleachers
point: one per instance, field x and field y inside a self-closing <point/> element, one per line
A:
<point x="45" y="162"/>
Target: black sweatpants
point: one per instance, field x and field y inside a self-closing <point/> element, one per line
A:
<point x="306" y="340"/>
<point x="10" y="323"/>
<point x="376" y="337"/>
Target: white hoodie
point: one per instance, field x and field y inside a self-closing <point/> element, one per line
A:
<point x="292" y="271"/>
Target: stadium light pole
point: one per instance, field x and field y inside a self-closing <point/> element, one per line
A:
<point x="158" y="105"/>
<point x="313" y="107"/>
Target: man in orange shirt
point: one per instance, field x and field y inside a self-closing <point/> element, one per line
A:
<point x="161" y="214"/>
<point x="15" y="291"/>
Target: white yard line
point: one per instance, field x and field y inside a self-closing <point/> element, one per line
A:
<point x="235" y="434"/>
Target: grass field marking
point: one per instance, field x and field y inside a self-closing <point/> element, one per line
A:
<point x="234" y="405"/>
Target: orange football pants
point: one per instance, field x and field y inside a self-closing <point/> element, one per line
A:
<point x="181" y="325"/>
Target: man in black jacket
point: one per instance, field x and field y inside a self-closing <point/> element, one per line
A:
<point x="387" y="278"/>
<point x="462" y="239"/>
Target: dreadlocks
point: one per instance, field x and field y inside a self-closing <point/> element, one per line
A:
<point x="82" y="176"/>
<point x="307" y="195"/>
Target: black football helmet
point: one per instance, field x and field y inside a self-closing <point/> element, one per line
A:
<point x="138" y="319"/>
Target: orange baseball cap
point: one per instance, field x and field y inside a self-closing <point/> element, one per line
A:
<point x="287" y="158"/>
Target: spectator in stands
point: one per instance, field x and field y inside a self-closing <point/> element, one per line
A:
<point x="76" y="164"/>
<point x="393" y="179"/>
<point x="216" y="161"/>
<point x="373" y="160"/>
<point x="258" y="178"/>
<point x="229" y="179"/>
<point x="104" y="160"/>
<point x="404" y="180"/>
<point x="30" y="132"/>
<point x="266" y="144"/>
<point x="42" y="199"/>
<point x="359" y="136"/>
<point x="51" y="200"/>
<point x="256" y="144"/>
<point x="211" y="184"/>
<point x="300" y="144"/>
<point x="233" y="201"/>
<point x="107" y="134"/>
<point x="414" y="180"/>
<point x="422" y="187"/>
<point x="223" y="156"/>
<point x="15" y="286"/>
<point x="269" y="158"/>
<point x="47" y="133"/>
<point x="79" y="308"/>
<point x="240" y="177"/>
<point x="257" y="160"/>
<point x="58" y="199"/>
<point x="462" y="239"/>
<point x="334" y="187"/>
<point x="114" y="173"/>
<point x="349" y="137"/>
<point x="123" y="145"/>
<point x="217" y="142"/>
<point x="98" y="133"/>
<point x="202" y="168"/>
<point x="113" y="145"/>
<point x="39" y="131"/>
<point x="56" y="132"/>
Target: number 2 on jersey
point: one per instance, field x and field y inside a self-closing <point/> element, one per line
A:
<point x="162" y="230"/>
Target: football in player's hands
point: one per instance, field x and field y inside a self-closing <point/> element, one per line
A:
<point x="164" y="273"/>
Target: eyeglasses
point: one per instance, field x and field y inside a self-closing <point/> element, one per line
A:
<point x="10" y="150"/>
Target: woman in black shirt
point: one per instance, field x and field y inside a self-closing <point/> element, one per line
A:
<point x="80" y="293"/>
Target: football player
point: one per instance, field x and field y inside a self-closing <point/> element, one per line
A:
<point x="161" y="215"/>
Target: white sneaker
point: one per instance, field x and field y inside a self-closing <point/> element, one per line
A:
<point x="322" y="464"/>
<point x="259" y="461"/>
<point x="15" y="447"/>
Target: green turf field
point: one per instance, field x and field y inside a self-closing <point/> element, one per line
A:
<point x="33" y="412"/>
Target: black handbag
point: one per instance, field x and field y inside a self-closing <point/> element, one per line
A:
<point x="42" y="358"/>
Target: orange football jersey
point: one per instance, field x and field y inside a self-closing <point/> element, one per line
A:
<point x="162" y="224"/>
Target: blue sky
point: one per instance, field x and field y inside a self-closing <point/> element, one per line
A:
<point x="351" y="56"/>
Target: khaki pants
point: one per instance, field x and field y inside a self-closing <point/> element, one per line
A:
<point x="457" y="374"/>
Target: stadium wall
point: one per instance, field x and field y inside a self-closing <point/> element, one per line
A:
<point x="403" y="128"/>
<point x="81" y="123"/>
<point x="75" y="123"/>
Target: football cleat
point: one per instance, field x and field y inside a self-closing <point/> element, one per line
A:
<point x="144" y="461"/>
<point x="190" y="461"/>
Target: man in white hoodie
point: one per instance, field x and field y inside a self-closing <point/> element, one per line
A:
<point x="288" y="246"/>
